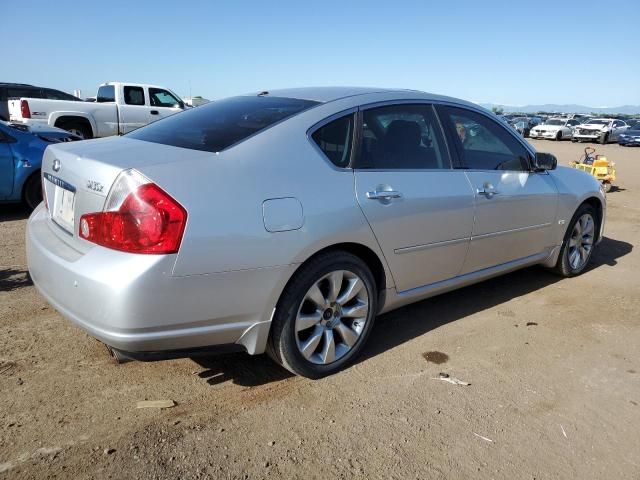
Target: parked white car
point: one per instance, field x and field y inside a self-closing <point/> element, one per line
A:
<point x="554" y="129"/>
<point x="119" y="108"/>
<point x="602" y="130"/>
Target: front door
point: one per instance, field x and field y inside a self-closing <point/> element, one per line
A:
<point x="163" y="104"/>
<point x="420" y="209"/>
<point x="515" y="207"/>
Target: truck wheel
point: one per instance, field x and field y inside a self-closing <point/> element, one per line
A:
<point x="79" y="129"/>
<point x="604" y="138"/>
<point x="32" y="192"/>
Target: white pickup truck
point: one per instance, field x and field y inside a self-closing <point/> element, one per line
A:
<point x="118" y="109"/>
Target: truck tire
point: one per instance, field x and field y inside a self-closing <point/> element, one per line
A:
<point x="79" y="129"/>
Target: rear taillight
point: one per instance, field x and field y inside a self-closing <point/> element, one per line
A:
<point x="24" y="109"/>
<point x="139" y="217"/>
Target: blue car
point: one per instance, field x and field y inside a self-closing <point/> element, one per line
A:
<point x="21" y="150"/>
<point x="631" y="136"/>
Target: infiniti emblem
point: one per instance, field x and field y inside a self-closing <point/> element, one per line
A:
<point x="56" y="165"/>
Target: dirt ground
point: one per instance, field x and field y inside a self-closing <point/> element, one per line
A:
<point x="553" y="365"/>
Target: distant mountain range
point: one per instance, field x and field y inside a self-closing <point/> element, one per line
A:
<point x="555" y="108"/>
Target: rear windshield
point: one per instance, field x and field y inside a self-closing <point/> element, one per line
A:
<point x="218" y="125"/>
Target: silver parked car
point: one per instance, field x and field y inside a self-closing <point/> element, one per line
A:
<point x="287" y="220"/>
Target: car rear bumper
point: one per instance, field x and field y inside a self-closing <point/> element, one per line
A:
<point x="133" y="303"/>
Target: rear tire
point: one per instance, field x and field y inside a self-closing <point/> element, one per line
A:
<point x="318" y="302"/>
<point x="79" y="129"/>
<point x="32" y="191"/>
<point x="579" y="242"/>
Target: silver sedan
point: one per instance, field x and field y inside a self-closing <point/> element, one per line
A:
<point x="285" y="221"/>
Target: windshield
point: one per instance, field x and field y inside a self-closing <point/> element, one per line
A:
<point x="554" y="122"/>
<point x="221" y="124"/>
<point x="598" y="122"/>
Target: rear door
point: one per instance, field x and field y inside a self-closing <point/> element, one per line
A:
<point x="163" y="104"/>
<point x="419" y="207"/>
<point x="134" y="109"/>
<point x="515" y="207"/>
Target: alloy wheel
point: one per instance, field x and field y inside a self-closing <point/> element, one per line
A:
<point x="331" y="317"/>
<point x="581" y="241"/>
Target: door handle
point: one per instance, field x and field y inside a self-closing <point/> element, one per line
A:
<point x="383" y="194"/>
<point x="154" y="112"/>
<point x="487" y="190"/>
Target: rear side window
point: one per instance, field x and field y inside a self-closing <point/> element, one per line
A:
<point x="134" y="95"/>
<point x="402" y="137"/>
<point x="218" y="125"/>
<point x="106" y="93"/>
<point x="334" y="139"/>
<point x="481" y="143"/>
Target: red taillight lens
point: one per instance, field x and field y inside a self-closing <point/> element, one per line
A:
<point x="148" y="221"/>
<point x="24" y="109"/>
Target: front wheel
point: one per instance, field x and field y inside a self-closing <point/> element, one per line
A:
<point x="604" y="138"/>
<point x="578" y="244"/>
<point x="324" y="316"/>
<point x="559" y="136"/>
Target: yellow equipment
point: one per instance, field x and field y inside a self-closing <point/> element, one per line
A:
<point x="597" y="165"/>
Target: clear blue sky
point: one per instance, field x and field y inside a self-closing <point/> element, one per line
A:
<point x="506" y="52"/>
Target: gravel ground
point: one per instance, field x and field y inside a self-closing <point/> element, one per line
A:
<point x="553" y="365"/>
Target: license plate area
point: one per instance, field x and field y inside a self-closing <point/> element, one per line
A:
<point x="62" y="202"/>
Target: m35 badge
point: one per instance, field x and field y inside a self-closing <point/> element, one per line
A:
<point x="95" y="186"/>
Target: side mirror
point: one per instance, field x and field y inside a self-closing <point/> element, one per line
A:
<point x="545" y="161"/>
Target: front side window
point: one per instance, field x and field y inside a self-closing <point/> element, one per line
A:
<point x="402" y="137"/>
<point x="219" y="125"/>
<point x="162" y="98"/>
<point x="134" y="95"/>
<point x="106" y="94"/>
<point x="483" y="144"/>
<point x="335" y="139"/>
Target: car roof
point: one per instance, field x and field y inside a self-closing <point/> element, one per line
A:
<point x="9" y="84"/>
<point x="330" y="94"/>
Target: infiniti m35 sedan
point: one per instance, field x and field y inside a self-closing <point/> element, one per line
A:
<point x="285" y="221"/>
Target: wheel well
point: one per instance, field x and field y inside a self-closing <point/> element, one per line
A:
<point x="597" y="206"/>
<point x="65" y="120"/>
<point x="367" y="255"/>
<point x="26" y="182"/>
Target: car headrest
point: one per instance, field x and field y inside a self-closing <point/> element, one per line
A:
<point x="403" y="132"/>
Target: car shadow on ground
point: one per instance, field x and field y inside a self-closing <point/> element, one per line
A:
<point x="399" y="326"/>
<point x="13" y="211"/>
<point x="13" y="278"/>
<point x="402" y="325"/>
